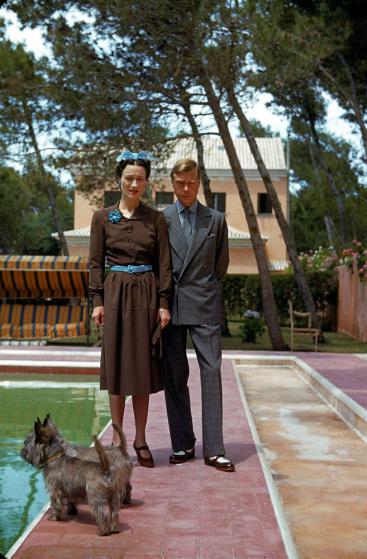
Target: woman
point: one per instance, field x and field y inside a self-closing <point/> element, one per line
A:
<point x="132" y="239"/>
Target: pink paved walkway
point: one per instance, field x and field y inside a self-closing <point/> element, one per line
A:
<point x="192" y="511"/>
<point x="179" y="512"/>
<point x="348" y="372"/>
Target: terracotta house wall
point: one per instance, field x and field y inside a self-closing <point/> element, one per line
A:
<point x="352" y="305"/>
<point x="78" y="249"/>
<point x="242" y="259"/>
<point x="275" y="246"/>
<point x="83" y="209"/>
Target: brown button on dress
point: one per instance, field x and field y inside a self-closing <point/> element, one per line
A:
<point x="130" y="301"/>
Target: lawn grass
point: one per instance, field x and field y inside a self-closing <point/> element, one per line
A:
<point x="334" y="342"/>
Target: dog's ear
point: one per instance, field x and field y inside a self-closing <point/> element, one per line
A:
<point x="47" y="420"/>
<point x="37" y="430"/>
<point x="40" y="432"/>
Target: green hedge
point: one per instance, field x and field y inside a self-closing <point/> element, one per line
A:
<point x="242" y="292"/>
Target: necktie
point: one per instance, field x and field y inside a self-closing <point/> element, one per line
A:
<point x="186" y="225"/>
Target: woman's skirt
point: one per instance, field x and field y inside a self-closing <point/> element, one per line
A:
<point x="128" y="366"/>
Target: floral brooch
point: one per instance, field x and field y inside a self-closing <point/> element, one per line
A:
<point x="114" y="216"/>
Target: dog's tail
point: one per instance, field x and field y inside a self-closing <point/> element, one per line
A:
<point x="123" y="444"/>
<point x="103" y="458"/>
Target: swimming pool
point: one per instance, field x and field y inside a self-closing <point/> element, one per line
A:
<point x="78" y="408"/>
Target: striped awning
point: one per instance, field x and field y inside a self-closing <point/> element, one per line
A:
<point x="30" y="262"/>
<point x="43" y="276"/>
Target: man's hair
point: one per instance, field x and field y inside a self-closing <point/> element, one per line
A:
<point x="185" y="165"/>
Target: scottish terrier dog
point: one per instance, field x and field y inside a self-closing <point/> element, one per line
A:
<point x="68" y="478"/>
<point x="118" y="456"/>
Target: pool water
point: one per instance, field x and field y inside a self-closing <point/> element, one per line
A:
<point x="77" y="407"/>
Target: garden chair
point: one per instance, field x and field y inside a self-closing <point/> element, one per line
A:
<point x="308" y="330"/>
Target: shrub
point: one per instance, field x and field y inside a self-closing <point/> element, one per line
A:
<point x="244" y="292"/>
<point x="251" y="327"/>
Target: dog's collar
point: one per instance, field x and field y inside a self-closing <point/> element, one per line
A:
<point x="53" y="458"/>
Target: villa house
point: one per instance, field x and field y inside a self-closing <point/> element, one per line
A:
<point x="226" y="199"/>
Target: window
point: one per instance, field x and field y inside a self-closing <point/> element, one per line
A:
<point x="163" y="199"/>
<point x="263" y="203"/>
<point x="111" y="197"/>
<point x="219" y="200"/>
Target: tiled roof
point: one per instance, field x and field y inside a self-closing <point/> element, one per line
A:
<point x="232" y="233"/>
<point x="76" y="236"/>
<point x="278" y="265"/>
<point x="82" y="232"/>
<point x="215" y="157"/>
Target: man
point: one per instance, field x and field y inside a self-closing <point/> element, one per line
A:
<point x="199" y="250"/>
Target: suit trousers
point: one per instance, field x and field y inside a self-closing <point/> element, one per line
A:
<point x="206" y="342"/>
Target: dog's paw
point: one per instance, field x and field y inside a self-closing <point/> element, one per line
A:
<point x="126" y="499"/>
<point x="72" y="510"/>
<point x="103" y="532"/>
<point x="54" y="516"/>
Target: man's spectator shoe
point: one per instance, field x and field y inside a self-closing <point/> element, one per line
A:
<point x="220" y="463"/>
<point x="182" y="456"/>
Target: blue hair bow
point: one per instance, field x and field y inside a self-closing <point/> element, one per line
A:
<point x="125" y="155"/>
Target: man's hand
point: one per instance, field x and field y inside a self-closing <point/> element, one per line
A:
<point x="98" y="316"/>
<point x="164" y="316"/>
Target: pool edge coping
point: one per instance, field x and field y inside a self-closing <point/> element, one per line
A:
<point x="352" y="413"/>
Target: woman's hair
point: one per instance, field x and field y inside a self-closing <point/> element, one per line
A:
<point x="137" y="162"/>
<point x="185" y="165"/>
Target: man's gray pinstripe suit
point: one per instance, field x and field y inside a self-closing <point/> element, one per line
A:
<point x="196" y="271"/>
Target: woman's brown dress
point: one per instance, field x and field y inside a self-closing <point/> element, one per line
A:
<point x="130" y="301"/>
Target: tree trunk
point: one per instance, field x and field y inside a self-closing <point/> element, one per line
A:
<point x="205" y="181"/>
<point x="354" y="103"/>
<point x="329" y="229"/>
<point x="325" y="167"/>
<point x="46" y="183"/>
<point x="351" y="100"/>
<point x="283" y="223"/>
<point x="269" y="305"/>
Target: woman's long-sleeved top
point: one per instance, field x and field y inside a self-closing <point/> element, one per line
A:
<point x="141" y="239"/>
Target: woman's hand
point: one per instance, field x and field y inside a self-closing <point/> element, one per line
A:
<point x="164" y="316"/>
<point x="98" y="316"/>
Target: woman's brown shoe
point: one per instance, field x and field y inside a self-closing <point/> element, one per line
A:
<point x="145" y="462"/>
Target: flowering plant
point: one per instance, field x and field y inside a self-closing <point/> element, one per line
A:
<point x="114" y="216"/>
<point x="355" y="257"/>
<point x="322" y="260"/>
<point x="326" y="259"/>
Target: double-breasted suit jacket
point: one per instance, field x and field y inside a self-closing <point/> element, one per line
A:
<point x="195" y="307"/>
<point x="198" y="269"/>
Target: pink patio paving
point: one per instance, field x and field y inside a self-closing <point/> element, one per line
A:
<point x="191" y="510"/>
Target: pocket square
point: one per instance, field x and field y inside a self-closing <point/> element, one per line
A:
<point x="210" y="236"/>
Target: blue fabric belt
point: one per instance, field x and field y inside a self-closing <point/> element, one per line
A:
<point x="132" y="269"/>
